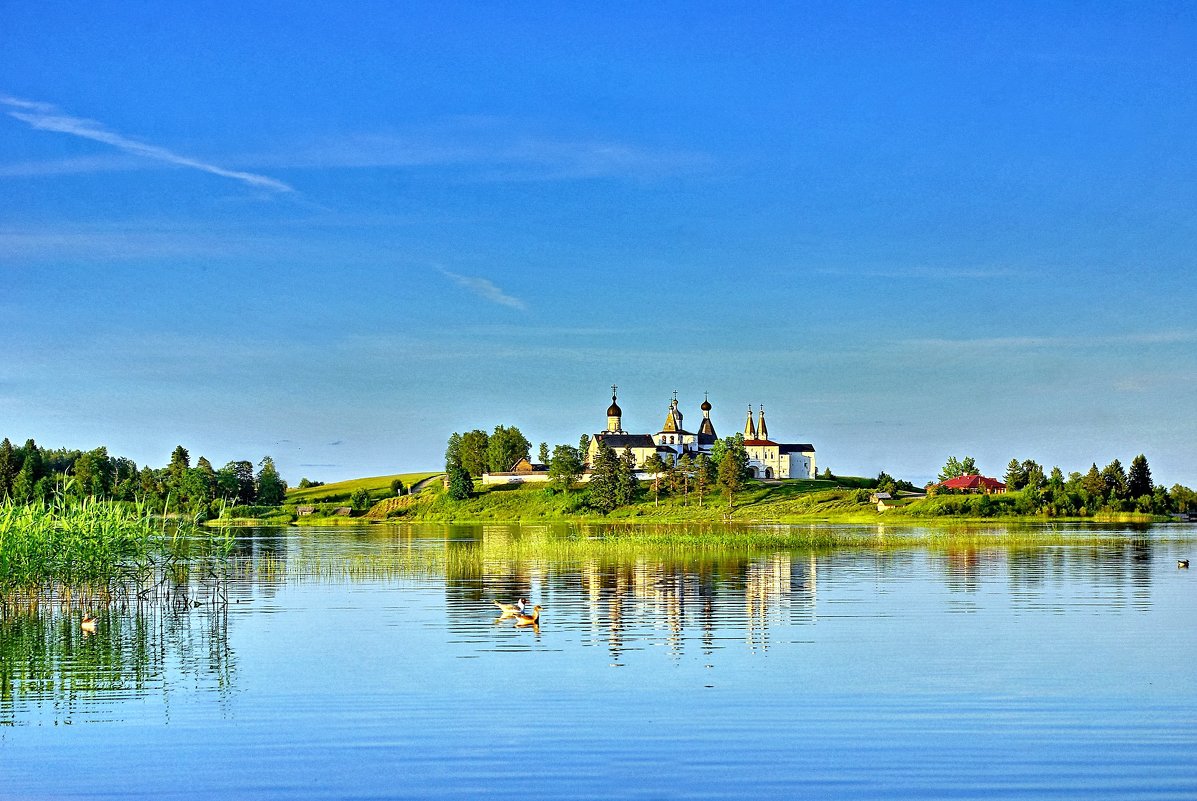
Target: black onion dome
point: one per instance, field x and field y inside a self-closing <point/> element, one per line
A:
<point x="706" y="405"/>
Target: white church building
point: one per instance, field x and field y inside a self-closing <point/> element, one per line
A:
<point x="766" y="458"/>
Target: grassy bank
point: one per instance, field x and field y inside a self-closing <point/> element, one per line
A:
<point x="838" y="500"/>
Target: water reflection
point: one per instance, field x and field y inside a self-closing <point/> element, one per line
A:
<point x="51" y="667"/>
<point x="628" y="596"/>
<point x="606" y="593"/>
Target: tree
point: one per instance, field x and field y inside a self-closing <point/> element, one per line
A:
<point x="733" y="471"/>
<point x="93" y="473"/>
<point x="604" y="479"/>
<point x="150" y="487"/>
<point x="473" y="452"/>
<point x="205" y="469"/>
<point x="197" y="491"/>
<point x="1093" y="485"/>
<point x="684" y="474"/>
<point x="24" y="486"/>
<point x="359" y="500"/>
<point x="704" y="476"/>
<point x="506" y="446"/>
<point x="236" y="482"/>
<point x="396" y="486"/>
<point x="461" y="486"/>
<point x="655" y="466"/>
<point x="627" y="486"/>
<point x="827" y="476"/>
<point x="8" y="468"/>
<point x="1114" y="479"/>
<point x="1016" y="477"/>
<point x="31" y="457"/>
<point x="180" y="463"/>
<point x="565" y="467"/>
<point x="1057" y="479"/>
<point x="955" y="467"/>
<point x="542" y="455"/>
<point x="584" y="448"/>
<point x="886" y="483"/>
<point x="1138" y="481"/>
<point x="270" y="488"/>
<point x="452" y="452"/>
<point x="1183" y="498"/>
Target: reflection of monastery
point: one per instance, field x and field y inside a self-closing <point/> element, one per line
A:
<point x="766" y="458"/>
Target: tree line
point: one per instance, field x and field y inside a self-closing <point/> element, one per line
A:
<point x="30" y="473"/>
<point x="1112" y="488"/>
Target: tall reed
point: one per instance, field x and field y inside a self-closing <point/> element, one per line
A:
<point x="68" y="544"/>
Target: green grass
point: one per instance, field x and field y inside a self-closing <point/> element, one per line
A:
<point x="378" y="487"/>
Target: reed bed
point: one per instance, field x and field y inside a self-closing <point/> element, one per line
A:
<point x="95" y="551"/>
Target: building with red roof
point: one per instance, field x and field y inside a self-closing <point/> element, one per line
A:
<point x="973" y="484"/>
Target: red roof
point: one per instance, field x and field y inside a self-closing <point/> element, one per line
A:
<point x="973" y="482"/>
<point x="758" y="442"/>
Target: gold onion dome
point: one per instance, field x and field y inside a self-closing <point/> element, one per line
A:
<point x="706" y="405"/>
<point x="613" y="410"/>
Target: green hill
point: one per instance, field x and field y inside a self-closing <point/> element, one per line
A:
<point x="378" y="487"/>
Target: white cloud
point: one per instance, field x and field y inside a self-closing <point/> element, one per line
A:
<point x="45" y="117"/>
<point x="484" y="289"/>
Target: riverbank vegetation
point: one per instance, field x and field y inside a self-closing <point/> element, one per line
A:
<point x="68" y="546"/>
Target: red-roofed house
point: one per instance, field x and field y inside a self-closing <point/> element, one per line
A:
<point x="973" y="484"/>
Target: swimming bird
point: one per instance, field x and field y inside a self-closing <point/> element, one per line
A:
<point x="511" y="610"/>
<point x="1183" y="564"/>
<point x="88" y="624"/>
<point x="529" y="620"/>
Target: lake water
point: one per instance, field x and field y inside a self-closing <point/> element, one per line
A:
<point x="367" y="663"/>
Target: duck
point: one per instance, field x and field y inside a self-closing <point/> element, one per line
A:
<point x="529" y="620"/>
<point x="1183" y="564"/>
<point x="88" y="624"/>
<point x="511" y="610"/>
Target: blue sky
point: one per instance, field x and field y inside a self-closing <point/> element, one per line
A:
<point x="337" y="234"/>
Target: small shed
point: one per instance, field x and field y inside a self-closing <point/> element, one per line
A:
<point x="304" y="511"/>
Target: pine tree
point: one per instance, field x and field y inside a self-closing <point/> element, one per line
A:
<point x="461" y="486"/>
<point x="8" y="468"/>
<point x="732" y="470"/>
<point x="1138" y="481"/>
<point x="542" y="455"/>
<point x="627" y="486"/>
<point x="1016" y="477"/>
<point x="604" y="479"/>
<point x="584" y="448"/>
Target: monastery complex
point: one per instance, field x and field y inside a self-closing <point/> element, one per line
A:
<point x="767" y="459"/>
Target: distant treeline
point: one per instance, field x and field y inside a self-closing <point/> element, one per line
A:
<point x="1112" y="489"/>
<point x="30" y="473"/>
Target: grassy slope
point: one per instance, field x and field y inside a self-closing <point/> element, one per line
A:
<point x="377" y="486"/>
<point x="759" y="502"/>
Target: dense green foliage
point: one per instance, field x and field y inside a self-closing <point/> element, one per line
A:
<point x="30" y="474"/>
<point x="71" y="543"/>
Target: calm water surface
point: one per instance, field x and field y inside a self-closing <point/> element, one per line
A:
<point x="367" y="663"/>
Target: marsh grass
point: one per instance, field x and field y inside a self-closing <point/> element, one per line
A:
<point x="98" y="550"/>
<point x="407" y="552"/>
